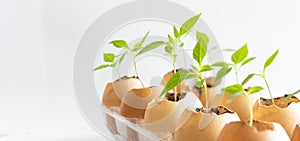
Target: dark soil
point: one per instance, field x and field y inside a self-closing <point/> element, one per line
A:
<point x="126" y="77"/>
<point x="219" y="110"/>
<point x="170" y="96"/>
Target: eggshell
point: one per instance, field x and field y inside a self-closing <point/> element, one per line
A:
<point x="162" y="116"/>
<point x="284" y="112"/>
<point x="260" y="131"/>
<point x="113" y="95"/>
<point x="296" y="135"/>
<point x="190" y="131"/>
<point x="238" y="105"/>
<point x="135" y="102"/>
<point x="115" y="91"/>
<point x="109" y="97"/>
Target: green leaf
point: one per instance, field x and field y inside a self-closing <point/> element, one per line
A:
<point x="202" y="38"/>
<point x="293" y="94"/>
<point x="171" y="40"/>
<point x="239" y="55"/>
<point x="119" y="43"/>
<point x="205" y="68"/>
<point x="169" y="49"/>
<point x="220" y="64"/>
<point x="271" y="59"/>
<point x="109" y="57"/>
<point x="222" y="72"/>
<point x="181" y="44"/>
<point x="188" y="25"/>
<point x="175" y="32"/>
<point x="137" y="46"/>
<point x="247" y="78"/>
<point x="247" y="61"/>
<point x="195" y="68"/>
<point x="150" y="47"/>
<point x="176" y="79"/>
<point x="255" y="89"/>
<point x="234" y="89"/>
<point x="102" y="67"/>
<point x="199" y="53"/>
<point x="144" y="38"/>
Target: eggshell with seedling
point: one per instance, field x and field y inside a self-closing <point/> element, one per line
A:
<point x="192" y="130"/>
<point x="239" y="104"/>
<point x="211" y="87"/>
<point x="162" y="116"/>
<point x="285" y="112"/>
<point x="296" y="135"/>
<point x="260" y="131"/>
<point x="115" y="91"/>
<point x="182" y="87"/>
<point x="135" y="102"/>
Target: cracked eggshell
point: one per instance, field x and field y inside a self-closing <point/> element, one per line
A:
<point x="239" y="104"/>
<point x="115" y="91"/>
<point x="260" y="131"/>
<point x="162" y="116"/>
<point x="284" y="112"/>
<point x="135" y="102"/>
<point x="191" y="131"/>
<point x="296" y="135"/>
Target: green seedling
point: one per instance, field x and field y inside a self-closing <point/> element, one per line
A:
<point x="176" y="40"/>
<point x="111" y="60"/>
<point x="262" y="75"/>
<point x="134" y="52"/>
<point x="199" y="53"/>
<point x="237" y="89"/>
<point x="239" y="59"/>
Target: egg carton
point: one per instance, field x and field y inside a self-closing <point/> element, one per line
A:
<point x="124" y="129"/>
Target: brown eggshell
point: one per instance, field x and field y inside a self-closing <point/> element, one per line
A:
<point x="260" y="131"/>
<point x="296" y="135"/>
<point x="109" y="97"/>
<point x="182" y="87"/>
<point x="284" y="112"/>
<point x="135" y="102"/>
<point x="190" y="130"/>
<point x="115" y="91"/>
<point x="239" y="104"/>
<point x="162" y="116"/>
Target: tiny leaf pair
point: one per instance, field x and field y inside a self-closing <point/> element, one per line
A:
<point x="267" y="63"/>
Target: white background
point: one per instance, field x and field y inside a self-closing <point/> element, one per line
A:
<point x="38" y="40"/>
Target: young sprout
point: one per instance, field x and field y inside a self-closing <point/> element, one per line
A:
<point x="134" y="52"/>
<point x="199" y="53"/>
<point x="268" y="62"/>
<point x="175" y="40"/>
<point x="237" y="89"/>
<point x="111" y="60"/>
<point x="239" y="59"/>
